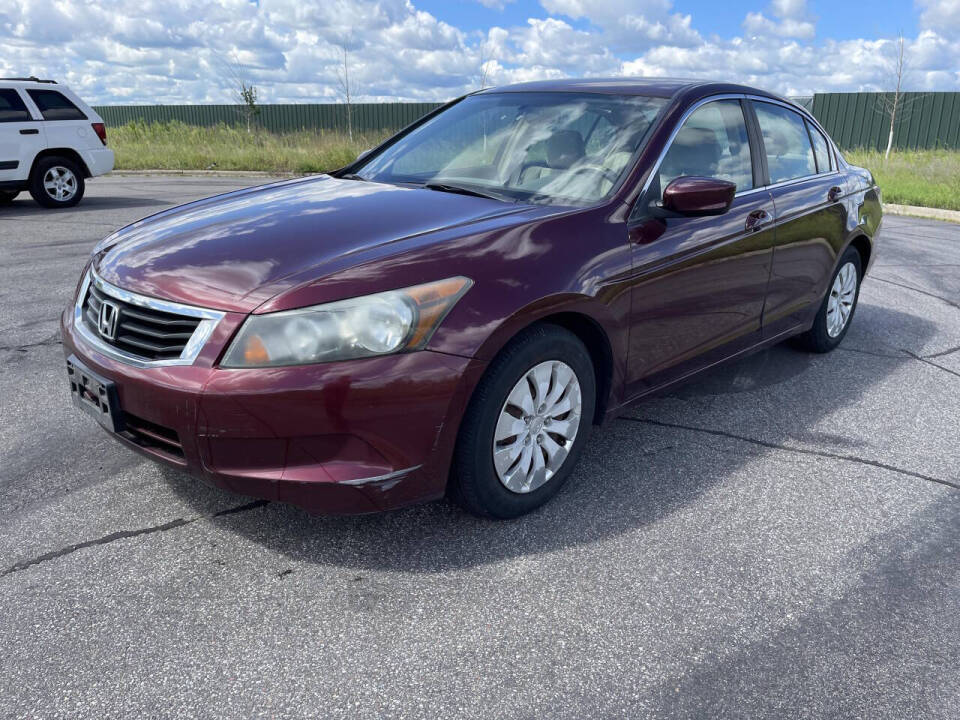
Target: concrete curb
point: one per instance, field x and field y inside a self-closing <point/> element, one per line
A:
<point x="923" y="212"/>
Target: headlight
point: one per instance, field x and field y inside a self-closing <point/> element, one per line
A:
<point x="388" y="322"/>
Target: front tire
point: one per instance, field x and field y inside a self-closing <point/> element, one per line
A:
<point x="526" y="425"/>
<point x="836" y="312"/>
<point x="57" y="182"/>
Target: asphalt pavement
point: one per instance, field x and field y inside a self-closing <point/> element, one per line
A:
<point x="778" y="538"/>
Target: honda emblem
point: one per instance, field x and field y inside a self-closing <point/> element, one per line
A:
<point x="107" y="325"/>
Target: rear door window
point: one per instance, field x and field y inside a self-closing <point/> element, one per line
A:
<point x="55" y="106"/>
<point x="713" y="143"/>
<point x="787" y="144"/>
<point x="12" y="108"/>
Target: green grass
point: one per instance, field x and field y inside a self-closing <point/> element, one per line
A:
<point x="177" y="146"/>
<point x="928" y="178"/>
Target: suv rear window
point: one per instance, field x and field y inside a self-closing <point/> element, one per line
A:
<point x="12" y="108"/>
<point x="54" y="106"/>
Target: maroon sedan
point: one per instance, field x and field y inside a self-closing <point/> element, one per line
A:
<point x="455" y="311"/>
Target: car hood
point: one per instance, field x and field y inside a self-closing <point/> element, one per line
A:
<point x="233" y="252"/>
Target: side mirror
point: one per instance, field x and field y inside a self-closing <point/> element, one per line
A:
<point x="696" y="196"/>
<point x="362" y="155"/>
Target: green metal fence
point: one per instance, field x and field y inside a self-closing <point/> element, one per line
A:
<point x="854" y="120"/>
<point x="858" y="120"/>
<point x="276" y="118"/>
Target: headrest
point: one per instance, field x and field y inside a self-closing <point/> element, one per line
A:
<point x="564" y="148"/>
<point x="694" y="152"/>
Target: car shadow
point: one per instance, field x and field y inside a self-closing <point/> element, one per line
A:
<point x="631" y="473"/>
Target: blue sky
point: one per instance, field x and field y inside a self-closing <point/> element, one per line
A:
<point x="165" y="51"/>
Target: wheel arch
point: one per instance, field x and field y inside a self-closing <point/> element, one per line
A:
<point x="586" y="326"/>
<point x="595" y="339"/>
<point x="68" y="153"/>
<point x="861" y="243"/>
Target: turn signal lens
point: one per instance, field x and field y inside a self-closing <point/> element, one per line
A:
<point x="254" y="351"/>
<point x="433" y="302"/>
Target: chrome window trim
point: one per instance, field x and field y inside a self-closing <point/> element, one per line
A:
<point x="208" y="322"/>
<point x="806" y="116"/>
<point x="742" y="96"/>
<point x="791" y="181"/>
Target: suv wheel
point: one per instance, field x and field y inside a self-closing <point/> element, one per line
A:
<point x="526" y="425"/>
<point x="56" y="182"/>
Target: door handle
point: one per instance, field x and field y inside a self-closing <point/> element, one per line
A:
<point x="30" y="131"/>
<point x="833" y="194"/>
<point x="757" y="219"/>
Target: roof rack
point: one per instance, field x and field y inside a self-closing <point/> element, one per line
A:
<point x="32" y="78"/>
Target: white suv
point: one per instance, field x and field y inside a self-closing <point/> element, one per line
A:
<point x="50" y="141"/>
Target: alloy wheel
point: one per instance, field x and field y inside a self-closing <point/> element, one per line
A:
<point x="60" y="183"/>
<point x="843" y="294"/>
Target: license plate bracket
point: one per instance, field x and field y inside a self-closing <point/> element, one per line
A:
<point x="95" y="395"/>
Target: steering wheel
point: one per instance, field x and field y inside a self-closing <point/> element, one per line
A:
<point x="518" y="176"/>
<point x="605" y="173"/>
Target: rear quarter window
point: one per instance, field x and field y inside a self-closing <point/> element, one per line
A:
<point x="820" y="150"/>
<point x="12" y="108"/>
<point x="55" y="106"/>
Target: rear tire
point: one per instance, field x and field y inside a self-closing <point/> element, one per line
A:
<point x="57" y="182"/>
<point x="838" y="307"/>
<point x="520" y="439"/>
<point x="8" y="196"/>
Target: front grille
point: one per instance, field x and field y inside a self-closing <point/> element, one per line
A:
<point x="152" y="437"/>
<point x="144" y="332"/>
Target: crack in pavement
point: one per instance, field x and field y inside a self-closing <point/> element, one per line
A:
<point x="907" y="355"/>
<point x="927" y="361"/>
<point x="949" y="302"/>
<point x="52" y="340"/>
<point x="802" y="451"/>
<point x="919" y="265"/>
<point x="861" y="351"/>
<point x="943" y="353"/>
<point x="123" y="534"/>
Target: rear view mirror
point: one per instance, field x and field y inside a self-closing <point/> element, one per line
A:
<point x="697" y="196"/>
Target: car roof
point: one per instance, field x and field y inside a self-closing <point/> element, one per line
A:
<point x="651" y="86"/>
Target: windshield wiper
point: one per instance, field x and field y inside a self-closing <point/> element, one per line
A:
<point x="460" y="190"/>
<point x="351" y="176"/>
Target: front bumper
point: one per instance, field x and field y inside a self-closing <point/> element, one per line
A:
<point x="349" y="437"/>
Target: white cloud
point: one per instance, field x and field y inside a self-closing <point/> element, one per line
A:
<point x="170" y="51"/>
<point x="630" y="24"/>
<point x="792" y="21"/>
<point x="941" y="15"/>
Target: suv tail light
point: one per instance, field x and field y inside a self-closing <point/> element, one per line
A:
<point x="101" y="130"/>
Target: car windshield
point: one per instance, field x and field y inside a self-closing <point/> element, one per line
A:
<point x="551" y="148"/>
